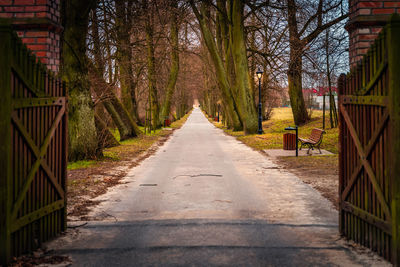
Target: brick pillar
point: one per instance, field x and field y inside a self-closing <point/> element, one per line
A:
<point x="365" y="22"/>
<point x="37" y="23"/>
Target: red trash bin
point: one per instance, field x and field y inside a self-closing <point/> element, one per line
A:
<point x="289" y="141"/>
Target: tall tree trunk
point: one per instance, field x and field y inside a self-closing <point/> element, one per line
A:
<point x="173" y="73"/>
<point x="126" y="117"/>
<point x="297" y="45"/>
<point x="135" y="111"/>
<point x="295" y="68"/>
<point x="126" y="125"/>
<point x="265" y="94"/>
<point x="245" y="101"/>
<point x="332" y="105"/>
<point x="123" y="22"/>
<point x="299" y="110"/>
<point x="226" y="55"/>
<point x="105" y="137"/>
<point x="116" y="118"/>
<point x="224" y="20"/>
<point x="222" y="78"/>
<point x="137" y="70"/>
<point x="107" y="43"/>
<point x="81" y="125"/>
<point x="252" y="63"/>
<point x="323" y="111"/>
<point x="151" y="72"/>
<point x="219" y="22"/>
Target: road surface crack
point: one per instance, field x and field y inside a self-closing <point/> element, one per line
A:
<point x="197" y="175"/>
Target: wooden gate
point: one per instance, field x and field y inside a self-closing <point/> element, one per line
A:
<point x="33" y="150"/>
<point x="369" y="185"/>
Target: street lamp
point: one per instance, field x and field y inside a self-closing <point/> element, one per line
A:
<point x="259" y="73"/>
<point x="218" y="112"/>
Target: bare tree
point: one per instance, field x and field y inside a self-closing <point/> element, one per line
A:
<point x="301" y="32"/>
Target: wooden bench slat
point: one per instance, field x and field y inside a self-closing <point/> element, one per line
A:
<point x="314" y="140"/>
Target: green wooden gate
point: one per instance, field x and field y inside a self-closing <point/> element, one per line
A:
<point x="33" y="149"/>
<point x="369" y="185"/>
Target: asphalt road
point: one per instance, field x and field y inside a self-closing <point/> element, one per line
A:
<point x="205" y="199"/>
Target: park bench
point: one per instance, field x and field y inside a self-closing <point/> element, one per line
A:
<point x="314" y="141"/>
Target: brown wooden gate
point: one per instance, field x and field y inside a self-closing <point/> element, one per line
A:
<point x="33" y="150"/>
<point x="369" y="101"/>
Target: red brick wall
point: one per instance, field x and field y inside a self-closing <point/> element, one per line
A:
<point x="37" y="23"/>
<point x="365" y="22"/>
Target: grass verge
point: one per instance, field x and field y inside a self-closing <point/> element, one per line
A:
<point x="275" y="128"/>
<point x="129" y="147"/>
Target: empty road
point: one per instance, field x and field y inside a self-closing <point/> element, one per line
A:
<point x="205" y="199"/>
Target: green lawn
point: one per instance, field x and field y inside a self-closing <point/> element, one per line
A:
<point x="275" y="128"/>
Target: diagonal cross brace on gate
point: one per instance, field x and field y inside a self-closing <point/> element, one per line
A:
<point x="363" y="154"/>
<point x="364" y="163"/>
<point x="40" y="160"/>
<point x="369" y="157"/>
<point x="33" y="149"/>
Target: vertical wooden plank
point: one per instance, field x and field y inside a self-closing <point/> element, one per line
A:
<point x="393" y="43"/>
<point x="54" y="166"/>
<point x="18" y="177"/>
<point x="49" y="121"/>
<point x="374" y="119"/>
<point x="364" y="135"/>
<point x="349" y="148"/>
<point x="43" y="128"/>
<point x="357" y="191"/>
<point x="385" y="145"/>
<point x="387" y="139"/>
<point x="5" y="141"/>
<point x="24" y="157"/>
<point x="21" y="142"/>
<point x="34" y="186"/>
<point x="57" y="172"/>
<point x="344" y="149"/>
<point x="363" y="176"/>
<point x="363" y="140"/>
<point x="373" y="110"/>
<point x="64" y="155"/>
<point x="379" y="156"/>
<point x="15" y="180"/>
<point x="46" y="82"/>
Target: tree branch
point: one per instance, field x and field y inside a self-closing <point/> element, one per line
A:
<point x="321" y="28"/>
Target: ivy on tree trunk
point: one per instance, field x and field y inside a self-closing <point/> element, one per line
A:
<point x="81" y="124"/>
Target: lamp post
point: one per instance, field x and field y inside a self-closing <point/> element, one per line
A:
<point x="259" y="75"/>
<point x="218" y="112"/>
